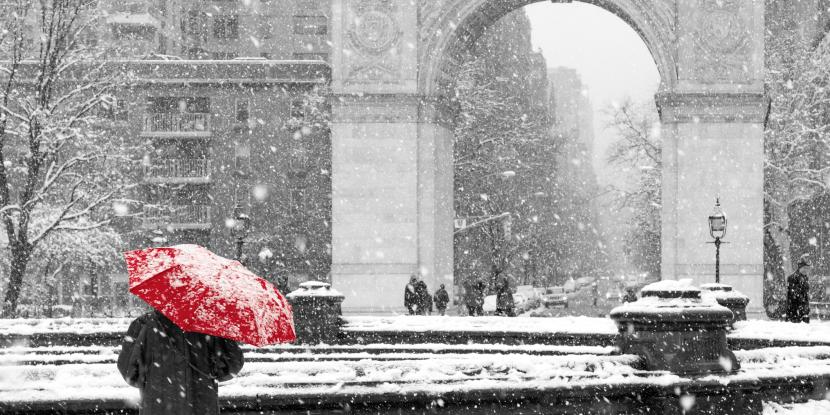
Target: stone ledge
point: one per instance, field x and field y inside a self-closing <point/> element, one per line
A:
<point x="712" y="107"/>
<point x="738" y="397"/>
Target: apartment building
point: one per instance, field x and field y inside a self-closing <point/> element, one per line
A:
<point x="221" y="103"/>
<point x="227" y="29"/>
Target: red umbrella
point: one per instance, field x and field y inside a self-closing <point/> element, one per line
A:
<point x="205" y="293"/>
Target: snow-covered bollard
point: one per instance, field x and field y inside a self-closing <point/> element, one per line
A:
<point x="672" y="327"/>
<point x="316" y="308"/>
<point x="729" y="298"/>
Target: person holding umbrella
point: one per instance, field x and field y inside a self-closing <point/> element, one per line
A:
<point x="177" y="371"/>
<point x="204" y="304"/>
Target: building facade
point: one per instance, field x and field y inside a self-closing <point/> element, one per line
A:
<point x="219" y="30"/>
<point x="227" y="102"/>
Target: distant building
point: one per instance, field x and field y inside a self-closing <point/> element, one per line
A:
<point x="271" y="29"/>
<point x="221" y="102"/>
<point x="570" y="106"/>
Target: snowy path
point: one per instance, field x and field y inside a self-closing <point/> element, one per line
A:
<point x="28" y="374"/>
<point x="818" y="332"/>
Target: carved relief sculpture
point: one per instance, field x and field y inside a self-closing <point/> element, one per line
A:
<point x="721" y="42"/>
<point x="373" y="35"/>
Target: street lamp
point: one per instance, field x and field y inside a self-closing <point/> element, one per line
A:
<point x="717" y="229"/>
<point x="241" y="225"/>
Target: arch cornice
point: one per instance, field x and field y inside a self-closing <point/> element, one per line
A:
<point x="448" y="27"/>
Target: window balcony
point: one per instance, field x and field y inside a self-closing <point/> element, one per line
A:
<point x="172" y="124"/>
<point x="177" y="217"/>
<point x="196" y="171"/>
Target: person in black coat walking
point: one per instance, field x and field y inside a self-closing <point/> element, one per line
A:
<point x="505" y="305"/>
<point x="798" y="293"/>
<point x="177" y="371"/>
<point x="424" y="298"/>
<point x="442" y="298"/>
<point x="410" y="296"/>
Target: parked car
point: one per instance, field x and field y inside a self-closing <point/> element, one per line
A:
<point x="532" y="295"/>
<point x="555" y="297"/>
<point x="584" y="282"/>
<point x="489" y="306"/>
<point x="614" y="296"/>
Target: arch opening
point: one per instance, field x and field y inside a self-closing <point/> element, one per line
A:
<point x="448" y="35"/>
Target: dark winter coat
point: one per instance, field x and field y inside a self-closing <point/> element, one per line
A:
<point x="505" y="305"/>
<point x="442" y="298"/>
<point x="798" y="298"/>
<point x="424" y="299"/>
<point x="410" y="298"/>
<point x="176" y="371"/>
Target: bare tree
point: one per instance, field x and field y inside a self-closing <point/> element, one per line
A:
<point x="54" y="155"/>
<point x="797" y="167"/>
<point x="638" y="149"/>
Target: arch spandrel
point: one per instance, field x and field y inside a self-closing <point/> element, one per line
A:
<point x="448" y="27"/>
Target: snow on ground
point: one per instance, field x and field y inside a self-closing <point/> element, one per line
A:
<point x="753" y="329"/>
<point x="292" y="370"/>
<point x="29" y="326"/>
<point x="818" y="332"/>
<point x="95" y="381"/>
<point x="565" y="325"/>
<point x="807" y="408"/>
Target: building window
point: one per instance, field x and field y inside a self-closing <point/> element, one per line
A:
<point x="195" y="24"/>
<point x="310" y="25"/>
<point x="297" y="109"/>
<point x="226" y="26"/>
<point x="242" y="156"/>
<point x="115" y="109"/>
<point x="243" y="110"/>
<point x="224" y="56"/>
<point x="190" y="105"/>
<point x="311" y="56"/>
<point x="128" y="31"/>
<point x="266" y="27"/>
<point x="90" y="285"/>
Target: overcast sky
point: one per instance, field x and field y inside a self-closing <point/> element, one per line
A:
<point x="609" y="55"/>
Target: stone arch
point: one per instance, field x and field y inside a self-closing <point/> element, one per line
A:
<point x="447" y="29"/>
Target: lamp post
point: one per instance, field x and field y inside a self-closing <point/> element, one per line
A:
<point x="241" y="225"/>
<point x="717" y="230"/>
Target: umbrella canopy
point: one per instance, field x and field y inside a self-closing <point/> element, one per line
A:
<point x="205" y="293"/>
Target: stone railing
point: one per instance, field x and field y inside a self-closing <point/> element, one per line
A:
<point x="172" y="122"/>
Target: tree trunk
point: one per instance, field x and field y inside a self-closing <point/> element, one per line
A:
<point x="20" y="260"/>
<point x="776" y="248"/>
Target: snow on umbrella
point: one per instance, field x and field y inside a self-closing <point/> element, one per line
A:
<point x="205" y="293"/>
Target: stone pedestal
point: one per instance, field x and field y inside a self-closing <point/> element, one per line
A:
<point x="735" y="301"/>
<point x="316" y="308"/>
<point x="673" y="328"/>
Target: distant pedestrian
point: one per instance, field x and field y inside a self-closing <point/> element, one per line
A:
<point x="282" y="284"/>
<point x="630" y="296"/>
<point x="469" y="297"/>
<point x="177" y="372"/>
<point x="442" y="298"/>
<point x="595" y="292"/>
<point x="505" y="306"/>
<point x="410" y="298"/>
<point x="424" y="298"/>
<point x="478" y="297"/>
<point x="798" y="293"/>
